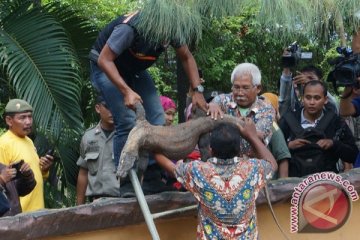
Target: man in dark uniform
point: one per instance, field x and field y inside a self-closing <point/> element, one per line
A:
<point x="119" y="60"/>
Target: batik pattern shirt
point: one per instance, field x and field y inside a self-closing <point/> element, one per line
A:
<point x="261" y="112"/>
<point x="226" y="191"/>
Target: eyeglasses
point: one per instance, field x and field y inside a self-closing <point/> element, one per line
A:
<point x="238" y="88"/>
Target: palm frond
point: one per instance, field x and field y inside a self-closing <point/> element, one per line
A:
<point x="7" y="7"/>
<point x="81" y="33"/>
<point x="38" y="58"/>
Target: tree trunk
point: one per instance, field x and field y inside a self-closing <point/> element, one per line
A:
<point x="340" y="29"/>
<point x="182" y="89"/>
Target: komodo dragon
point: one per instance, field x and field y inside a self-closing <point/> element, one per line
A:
<point x="175" y="142"/>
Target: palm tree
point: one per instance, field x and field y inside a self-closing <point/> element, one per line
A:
<point x="42" y="53"/>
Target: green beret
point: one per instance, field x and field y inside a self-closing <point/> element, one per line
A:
<point x="17" y="106"/>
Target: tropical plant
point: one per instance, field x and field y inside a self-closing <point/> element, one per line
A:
<point x="41" y="50"/>
<point x="233" y="40"/>
<point x="99" y="12"/>
<point x="184" y="19"/>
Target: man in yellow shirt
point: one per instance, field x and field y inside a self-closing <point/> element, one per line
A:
<point x="16" y="145"/>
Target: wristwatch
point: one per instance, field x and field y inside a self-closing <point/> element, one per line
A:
<point x="199" y="89"/>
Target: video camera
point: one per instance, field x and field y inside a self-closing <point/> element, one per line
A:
<point x="346" y="69"/>
<point x="295" y="55"/>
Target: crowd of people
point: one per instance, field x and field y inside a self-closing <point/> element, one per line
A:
<point x="301" y="132"/>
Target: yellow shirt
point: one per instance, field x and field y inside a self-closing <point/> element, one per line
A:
<point x="14" y="148"/>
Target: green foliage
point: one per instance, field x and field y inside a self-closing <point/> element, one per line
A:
<point x="54" y="198"/>
<point x="329" y="55"/>
<point x="312" y="17"/>
<point x="99" y="12"/>
<point x="161" y="86"/>
<point x="229" y="41"/>
<point x="184" y="19"/>
<point x="164" y="74"/>
<point x="39" y="62"/>
<point x="172" y="21"/>
<point x="181" y="20"/>
<point x="234" y="40"/>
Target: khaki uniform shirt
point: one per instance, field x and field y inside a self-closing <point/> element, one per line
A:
<point x="96" y="155"/>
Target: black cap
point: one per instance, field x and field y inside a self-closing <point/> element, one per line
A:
<point x="100" y="99"/>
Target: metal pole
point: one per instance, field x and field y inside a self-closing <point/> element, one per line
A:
<point x="170" y="212"/>
<point x="143" y="205"/>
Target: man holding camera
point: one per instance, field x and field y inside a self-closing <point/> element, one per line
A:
<point x="290" y="94"/>
<point x="350" y="99"/>
<point x="15" y="183"/>
<point x="16" y="145"/>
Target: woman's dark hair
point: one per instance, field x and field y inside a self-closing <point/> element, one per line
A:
<point x="225" y="141"/>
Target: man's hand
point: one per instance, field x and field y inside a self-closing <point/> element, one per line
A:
<point x="297" y="143"/>
<point x="300" y="78"/>
<point x="248" y="130"/>
<point x="261" y="135"/>
<point x="46" y="162"/>
<point x="286" y="70"/>
<point x="25" y="169"/>
<point x="348" y="91"/>
<point x="214" y="111"/>
<point x="325" y="143"/>
<point x="165" y="163"/>
<point x="81" y="185"/>
<point x="347" y="108"/>
<point x="7" y="174"/>
<point x="249" y="133"/>
<point x="131" y="98"/>
<point x="198" y="100"/>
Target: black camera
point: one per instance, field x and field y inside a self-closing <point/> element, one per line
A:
<point x="346" y="69"/>
<point x="17" y="165"/>
<point x="295" y="54"/>
<point x="50" y="152"/>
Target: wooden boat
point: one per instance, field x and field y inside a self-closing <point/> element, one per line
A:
<point x="121" y="218"/>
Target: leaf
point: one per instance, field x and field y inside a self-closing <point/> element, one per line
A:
<point x="39" y="59"/>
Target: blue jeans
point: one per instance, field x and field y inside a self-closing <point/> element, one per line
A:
<point x="124" y="118"/>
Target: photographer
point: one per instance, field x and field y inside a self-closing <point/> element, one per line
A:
<point x="350" y="99"/>
<point x="290" y="95"/>
<point x="350" y="107"/>
<point x="13" y="186"/>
